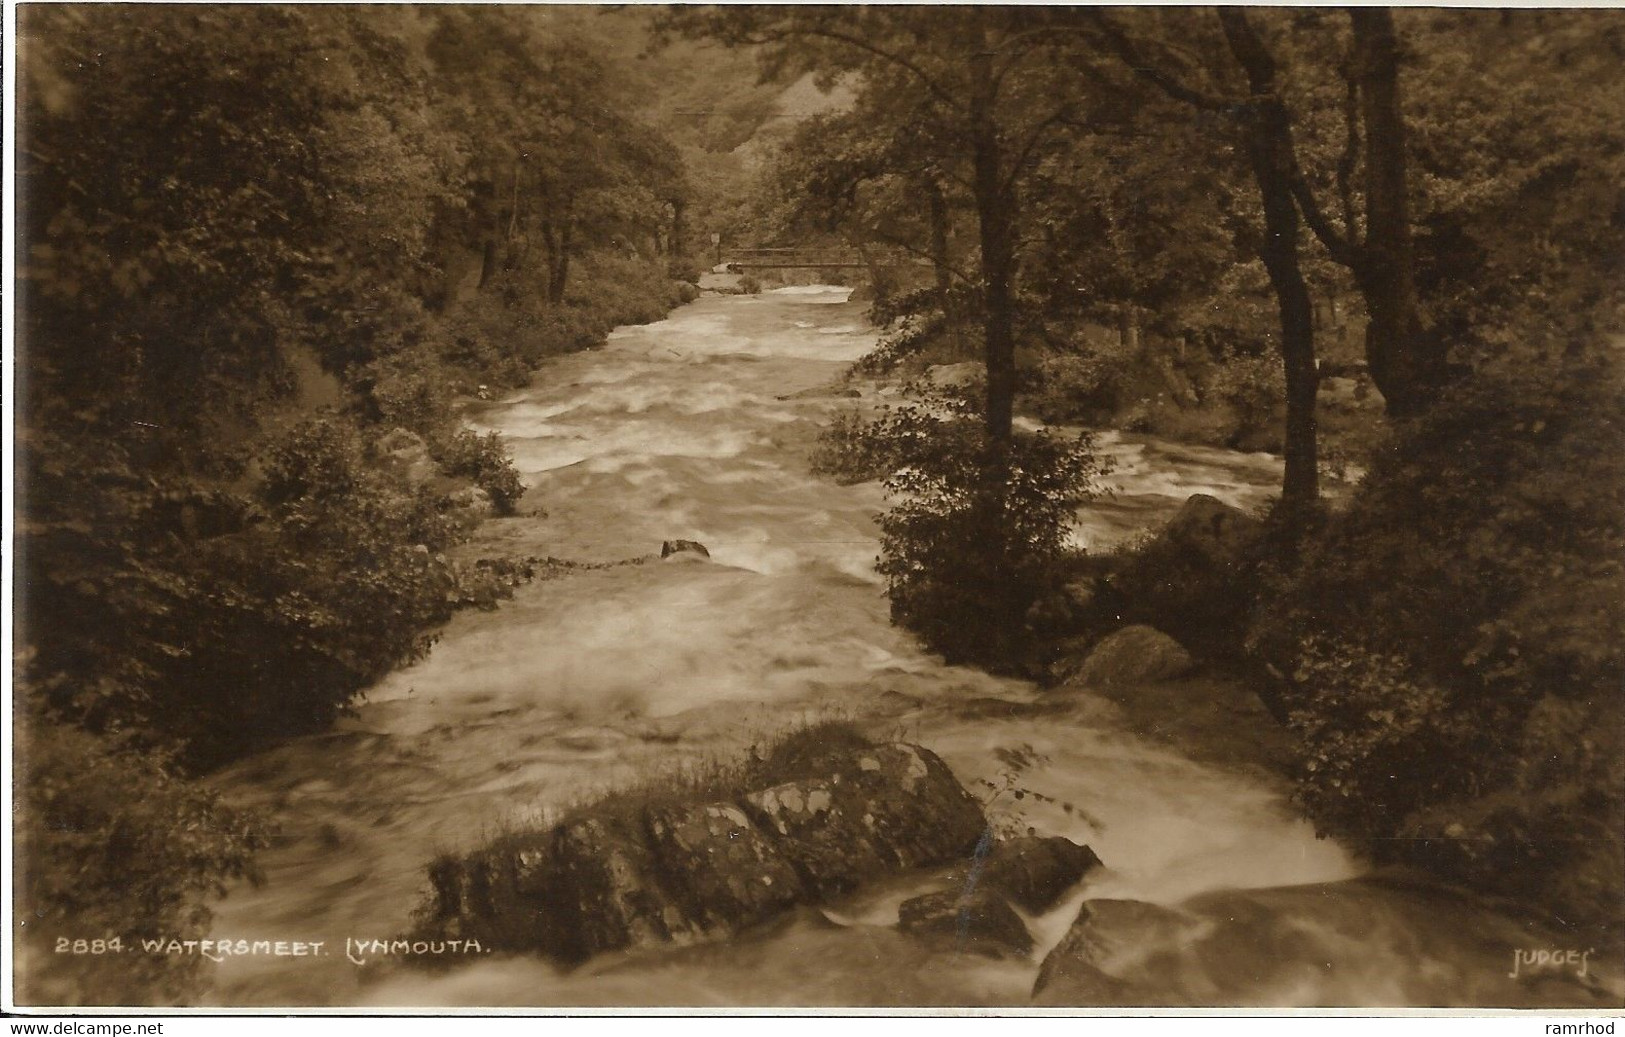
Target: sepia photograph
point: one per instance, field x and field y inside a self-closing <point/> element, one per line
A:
<point x="1013" y="508"/>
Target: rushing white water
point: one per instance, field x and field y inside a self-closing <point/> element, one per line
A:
<point x="698" y="427"/>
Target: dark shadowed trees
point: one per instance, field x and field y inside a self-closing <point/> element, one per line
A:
<point x="990" y="94"/>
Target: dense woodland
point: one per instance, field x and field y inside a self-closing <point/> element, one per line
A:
<point x="1261" y="204"/>
<point x="265" y="251"/>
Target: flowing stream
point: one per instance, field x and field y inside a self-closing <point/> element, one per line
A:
<point x="699" y="427"/>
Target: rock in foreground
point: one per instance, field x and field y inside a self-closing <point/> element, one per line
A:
<point x="1358" y="943"/>
<point x="1035" y="872"/>
<point x="1217" y="532"/>
<point x="662" y="873"/>
<point x="974" y="922"/>
<point x="1133" y="655"/>
<point x="890" y="807"/>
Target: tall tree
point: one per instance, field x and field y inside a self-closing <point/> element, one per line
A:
<point x="863" y="173"/>
<point x="561" y="155"/>
<point x="1264" y="127"/>
<point x="995" y="93"/>
<point x="1405" y="358"/>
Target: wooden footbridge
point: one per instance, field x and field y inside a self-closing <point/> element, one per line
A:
<point x="744" y="260"/>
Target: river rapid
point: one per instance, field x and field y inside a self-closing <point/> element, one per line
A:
<point x="699" y="427"/>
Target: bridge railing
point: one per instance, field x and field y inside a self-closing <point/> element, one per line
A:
<point x="807" y="258"/>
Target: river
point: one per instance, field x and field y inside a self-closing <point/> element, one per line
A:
<point x="699" y="427"/>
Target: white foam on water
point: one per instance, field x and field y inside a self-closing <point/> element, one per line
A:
<point x="693" y="428"/>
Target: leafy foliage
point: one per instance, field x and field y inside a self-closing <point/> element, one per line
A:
<point x="223" y="619"/>
<point x="113" y="845"/>
<point x="1089" y="385"/>
<point x="978" y="528"/>
<point x="1456" y="636"/>
<point x="851" y="450"/>
<point x="483" y="460"/>
<point x="914" y="321"/>
<point x="1254" y="390"/>
<point x="262" y="252"/>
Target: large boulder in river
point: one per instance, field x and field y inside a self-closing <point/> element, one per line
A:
<point x="1035" y="872"/>
<point x="1355" y="943"/>
<point x="1133" y="655"/>
<point x="1215" y="531"/>
<point x="607" y="890"/>
<point x="975" y="922"/>
<point x="891" y="806"/>
<point x="631" y="876"/>
<point x="1112" y="954"/>
<point x="726" y="871"/>
<point x="1196" y="579"/>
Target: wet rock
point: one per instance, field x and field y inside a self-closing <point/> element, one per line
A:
<point x="922" y="814"/>
<point x="1035" y="872"/>
<point x="1109" y="944"/>
<point x="725" y="870"/>
<point x="819" y="392"/>
<point x="890" y="806"/>
<point x="1133" y="655"/>
<point x="1337" y="944"/>
<point x="664" y="874"/>
<point x="609" y="898"/>
<point x="1050" y="615"/>
<point x="978" y="922"/>
<point x="504" y="897"/>
<point x="1212" y="529"/>
<point x="828" y="843"/>
<point x="675" y="547"/>
<point x="1080" y="594"/>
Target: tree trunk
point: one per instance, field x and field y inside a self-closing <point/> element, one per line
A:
<point x="679" y="247"/>
<point x="1300" y="486"/>
<point x="1128" y="330"/>
<point x="1267" y="132"/>
<point x="996" y="215"/>
<point x="513" y="209"/>
<point x="556" y="235"/>
<point x="559" y="266"/>
<point x="488" y="262"/>
<point x="1407" y="363"/>
<point x="941" y="263"/>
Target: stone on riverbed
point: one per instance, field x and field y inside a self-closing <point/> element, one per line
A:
<point x="645" y="876"/>
<point x="977" y="922"/>
<point x="603" y="869"/>
<point x="1035" y="872"/>
<point x="1133" y="655"/>
<point x="724" y="869"/>
<point x="891" y="806"/>
<point x="1210" y="529"/>
<point x="1109" y="947"/>
<point x="951" y="376"/>
<point x="1352" y="943"/>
